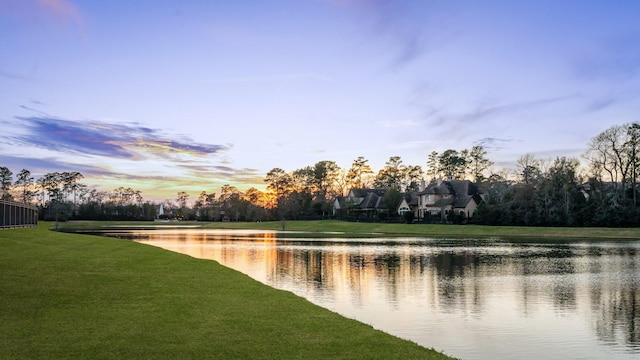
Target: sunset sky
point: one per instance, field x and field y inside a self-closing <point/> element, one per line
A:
<point x="168" y="96"/>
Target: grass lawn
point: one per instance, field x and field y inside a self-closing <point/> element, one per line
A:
<point x="353" y="229"/>
<point x="70" y="296"/>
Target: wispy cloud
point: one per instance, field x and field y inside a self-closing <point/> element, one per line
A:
<point x="126" y="141"/>
<point x="455" y="127"/>
<point x="408" y="43"/>
<point x="229" y="174"/>
<point x="41" y="166"/>
<point x="493" y="143"/>
<point x="408" y="29"/>
<point x="601" y="103"/>
<point x="483" y="112"/>
<point x="115" y="153"/>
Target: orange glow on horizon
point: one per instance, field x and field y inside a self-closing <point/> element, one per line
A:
<point x="161" y="189"/>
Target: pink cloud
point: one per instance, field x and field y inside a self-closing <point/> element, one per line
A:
<point x="57" y="10"/>
<point x="61" y="9"/>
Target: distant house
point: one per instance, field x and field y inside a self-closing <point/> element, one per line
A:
<point x="368" y="203"/>
<point x="588" y="190"/>
<point x="441" y="197"/>
<point x="360" y="203"/>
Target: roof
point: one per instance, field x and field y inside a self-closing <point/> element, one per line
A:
<point x="441" y="187"/>
<point x="411" y="198"/>
<point x="370" y="201"/>
<point x="463" y="192"/>
<point x="438" y="188"/>
<point x="371" y="198"/>
<point x="359" y="192"/>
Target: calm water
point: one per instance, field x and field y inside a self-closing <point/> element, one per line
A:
<point x="472" y="299"/>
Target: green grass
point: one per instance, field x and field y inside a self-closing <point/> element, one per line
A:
<point x="71" y="296"/>
<point x="353" y="229"/>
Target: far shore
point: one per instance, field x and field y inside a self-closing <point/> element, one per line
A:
<point x="323" y="228"/>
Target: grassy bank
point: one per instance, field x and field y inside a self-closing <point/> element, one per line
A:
<point x="69" y="296"/>
<point x="352" y="229"/>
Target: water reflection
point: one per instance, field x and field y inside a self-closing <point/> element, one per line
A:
<point x="472" y="299"/>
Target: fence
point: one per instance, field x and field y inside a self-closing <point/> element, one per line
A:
<point x="14" y="215"/>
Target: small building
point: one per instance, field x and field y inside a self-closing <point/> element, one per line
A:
<point x="159" y="210"/>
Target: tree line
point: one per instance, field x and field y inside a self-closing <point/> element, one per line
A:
<point x="60" y="196"/>
<point x="561" y="193"/>
<point x="310" y="191"/>
<point x="539" y="192"/>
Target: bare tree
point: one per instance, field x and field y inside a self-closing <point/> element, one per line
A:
<point x="613" y="156"/>
<point x="528" y="168"/>
<point x="606" y="155"/>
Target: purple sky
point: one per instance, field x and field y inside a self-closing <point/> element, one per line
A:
<point x="165" y="96"/>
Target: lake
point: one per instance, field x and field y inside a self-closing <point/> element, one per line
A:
<point x="470" y="298"/>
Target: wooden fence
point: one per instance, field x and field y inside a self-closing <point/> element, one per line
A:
<point x="14" y="215"/>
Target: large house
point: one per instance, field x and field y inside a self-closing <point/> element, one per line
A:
<point x="443" y="196"/>
<point x="369" y="203"/>
<point x="435" y="201"/>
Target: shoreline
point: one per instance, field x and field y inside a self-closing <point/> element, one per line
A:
<point x="324" y="228"/>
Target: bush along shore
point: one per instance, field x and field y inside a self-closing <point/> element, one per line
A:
<point x="72" y="296"/>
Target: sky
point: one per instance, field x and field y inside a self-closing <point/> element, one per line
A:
<point x="168" y="96"/>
